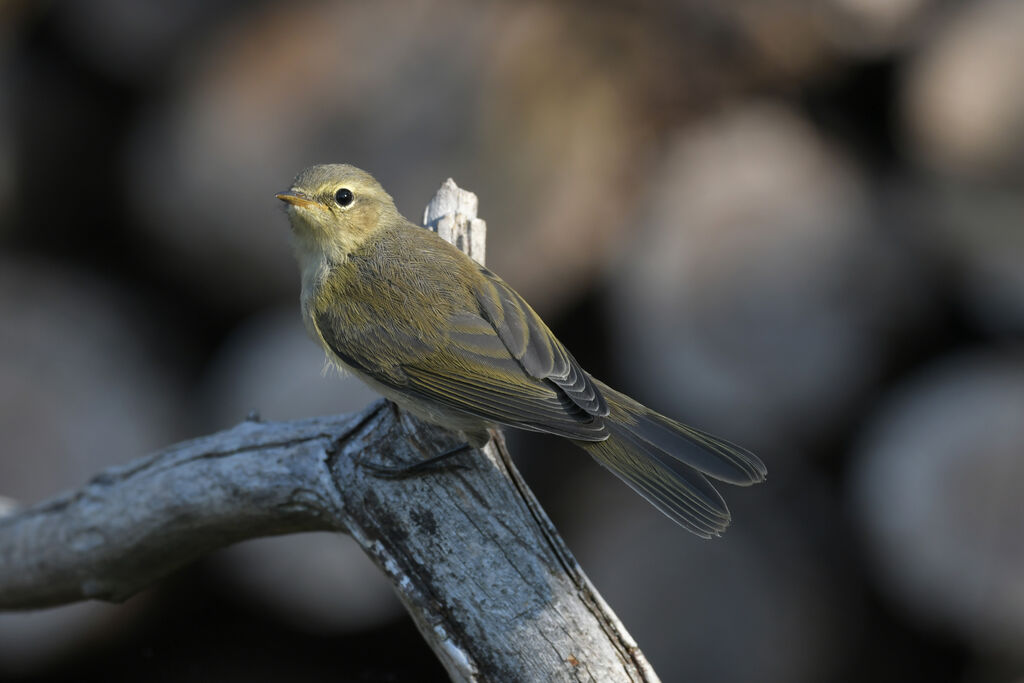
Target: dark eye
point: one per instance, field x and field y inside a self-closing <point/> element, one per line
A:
<point x="343" y="196"/>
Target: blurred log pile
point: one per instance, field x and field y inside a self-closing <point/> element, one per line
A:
<point x="797" y="225"/>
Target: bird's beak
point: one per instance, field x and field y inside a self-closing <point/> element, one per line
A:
<point x="296" y="198"/>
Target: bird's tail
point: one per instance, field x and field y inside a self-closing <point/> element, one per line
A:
<point x="669" y="463"/>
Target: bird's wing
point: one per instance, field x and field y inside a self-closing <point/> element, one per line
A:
<point x="499" y="363"/>
<point x="487" y="381"/>
<point x="531" y="343"/>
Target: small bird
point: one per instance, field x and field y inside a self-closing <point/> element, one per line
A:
<point x="449" y="341"/>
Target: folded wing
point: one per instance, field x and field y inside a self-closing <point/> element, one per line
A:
<point x="498" y="362"/>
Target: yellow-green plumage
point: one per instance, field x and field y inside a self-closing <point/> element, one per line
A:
<point x="450" y="341"/>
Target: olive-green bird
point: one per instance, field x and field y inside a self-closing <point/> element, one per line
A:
<point x="449" y="341"/>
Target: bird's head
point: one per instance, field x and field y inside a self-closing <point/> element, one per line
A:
<point x="335" y="208"/>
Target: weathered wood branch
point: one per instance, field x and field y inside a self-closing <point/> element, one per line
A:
<point x="485" y="576"/>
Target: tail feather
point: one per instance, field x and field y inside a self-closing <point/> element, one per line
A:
<point x="715" y="457"/>
<point x="660" y="486"/>
<point x="698" y="492"/>
<point x="704" y="452"/>
<point x="669" y="464"/>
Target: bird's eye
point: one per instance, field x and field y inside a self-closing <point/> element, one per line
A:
<point x="343" y="196"/>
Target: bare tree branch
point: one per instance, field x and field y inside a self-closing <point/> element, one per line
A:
<point x="485" y="576"/>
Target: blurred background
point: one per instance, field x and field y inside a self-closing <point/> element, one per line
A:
<point x="797" y="225"/>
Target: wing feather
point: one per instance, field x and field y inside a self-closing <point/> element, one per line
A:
<point x="499" y="362"/>
<point x="530" y="342"/>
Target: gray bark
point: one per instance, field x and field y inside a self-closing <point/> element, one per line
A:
<point x="485" y="576"/>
